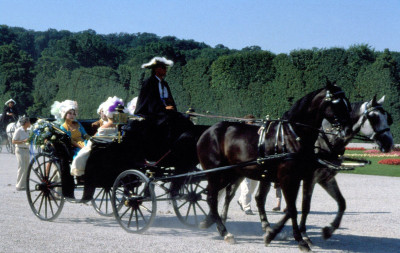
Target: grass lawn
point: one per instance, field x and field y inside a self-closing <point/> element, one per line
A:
<point x="374" y="168"/>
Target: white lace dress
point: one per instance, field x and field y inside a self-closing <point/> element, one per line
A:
<point x="79" y="163"/>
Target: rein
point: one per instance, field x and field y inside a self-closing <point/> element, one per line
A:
<point x="222" y="117"/>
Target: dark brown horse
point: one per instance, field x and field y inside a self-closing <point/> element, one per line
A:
<point x="230" y="143"/>
<point x="371" y="120"/>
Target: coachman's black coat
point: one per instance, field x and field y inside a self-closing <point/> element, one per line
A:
<point x="170" y="123"/>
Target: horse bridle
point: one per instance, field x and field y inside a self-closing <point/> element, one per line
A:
<point x="336" y="99"/>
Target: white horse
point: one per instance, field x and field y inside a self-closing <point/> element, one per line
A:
<point x="10" y="129"/>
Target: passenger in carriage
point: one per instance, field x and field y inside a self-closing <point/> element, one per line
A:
<point x="156" y="103"/>
<point x="109" y="108"/>
<point x="103" y="119"/>
<point x="66" y="113"/>
<point x="10" y="114"/>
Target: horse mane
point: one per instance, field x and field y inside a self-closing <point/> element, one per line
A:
<point x="300" y="105"/>
<point x="354" y="109"/>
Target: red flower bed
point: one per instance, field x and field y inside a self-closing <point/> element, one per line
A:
<point x="390" y="161"/>
<point x="355" y="148"/>
<point x="372" y="151"/>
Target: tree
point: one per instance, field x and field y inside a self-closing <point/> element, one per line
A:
<point x="16" y="76"/>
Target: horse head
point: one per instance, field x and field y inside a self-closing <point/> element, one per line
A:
<point x="328" y="103"/>
<point x="337" y="109"/>
<point x="375" y="122"/>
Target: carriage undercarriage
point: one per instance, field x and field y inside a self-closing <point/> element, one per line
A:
<point x="131" y="197"/>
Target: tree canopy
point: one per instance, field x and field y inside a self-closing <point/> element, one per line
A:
<point x="38" y="68"/>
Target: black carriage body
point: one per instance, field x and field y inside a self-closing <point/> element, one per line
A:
<point x="142" y="148"/>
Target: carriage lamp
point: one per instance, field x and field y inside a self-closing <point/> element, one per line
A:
<point x="120" y="118"/>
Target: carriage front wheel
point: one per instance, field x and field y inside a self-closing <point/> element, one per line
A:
<point x="133" y="201"/>
<point x="190" y="205"/>
<point x="43" y="187"/>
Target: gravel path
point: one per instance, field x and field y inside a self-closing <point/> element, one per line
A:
<point x="371" y="223"/>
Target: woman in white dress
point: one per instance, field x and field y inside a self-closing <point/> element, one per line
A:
<point x="107" y="129"/>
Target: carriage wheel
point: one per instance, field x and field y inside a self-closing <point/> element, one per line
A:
<point x="191" y="205"/>
<point x="133" y="201"/>
<point x="102" y="201"/>
<point x="43" y="187"/>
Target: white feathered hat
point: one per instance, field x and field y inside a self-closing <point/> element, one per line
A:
<point x="110" y="106"/>
<point x="60" y="109"/>
<point x="132" y="106"/>
<point x="157" y="61"/>
<point x="100" y="109"/>
<point x="11" y="100"/>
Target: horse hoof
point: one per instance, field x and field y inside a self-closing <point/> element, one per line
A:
<point x="205" y="224"/>
<point x="304" y="246"/>
<point x="268" y="238"/>
<point x="229" y="238"/>
<point x="307" y="239"/>
<point x="327" y="232"/>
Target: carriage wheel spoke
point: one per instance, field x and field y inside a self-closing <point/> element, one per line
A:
<point x="195" y="213"/>
<point x="31" y="180"/>
<point x="202" y="210"/>
<point x="55" y="200"/>
<point x="39" y="175"/>
<point x="184" y="203"/>
<point x="188" y="211"/>
<point x="40" y="194"/>
<point x="55" y="173"/>
<point x="137" y="220"/>
<point x="130" y="218"/>
<point x="141" y="214"/>
<point x="102" y="198"/>
<point x="147" y="209"/>
<point x="45" y="207"/>
<point x="127" y="209"/>
<point x="51" y="206"/>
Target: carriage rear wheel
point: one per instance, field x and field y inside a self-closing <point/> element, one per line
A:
<point x="191" y="205"/>
<point x="43" y="187"/>
<point x="102" y="201"/>
<point x="133" y="201"/>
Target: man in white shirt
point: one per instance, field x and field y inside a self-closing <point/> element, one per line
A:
<point x="20" y="139"/>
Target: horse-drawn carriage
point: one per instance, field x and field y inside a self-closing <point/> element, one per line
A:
<point x="283" y="151"/>
<point x="119" y="169"/>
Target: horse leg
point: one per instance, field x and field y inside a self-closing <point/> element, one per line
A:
<point x="230" y="194"/>
<point x="290" y="188"/>
<point x="213" y="217"/>
<point x="308" y="188"/>
<point x="332" y="188"/>
<point x="260" y="198"/>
